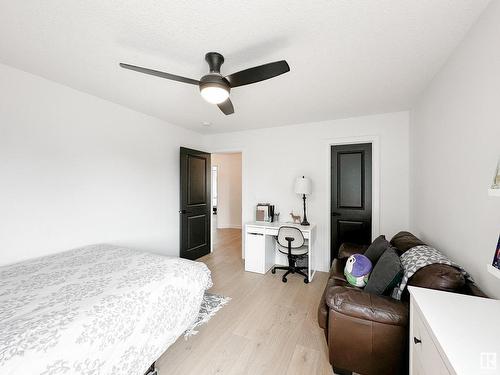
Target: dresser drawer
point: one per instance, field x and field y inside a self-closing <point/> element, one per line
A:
<point x="425" y="357"/>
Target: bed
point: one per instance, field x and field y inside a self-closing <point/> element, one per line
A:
<point x="99" y="309"/>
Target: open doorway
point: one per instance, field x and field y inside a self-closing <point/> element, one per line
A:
<point x="226" y="200"/>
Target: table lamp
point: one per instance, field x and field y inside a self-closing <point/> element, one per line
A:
<point x="303" y="186"/>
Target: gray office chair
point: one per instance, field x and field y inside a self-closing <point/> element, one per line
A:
<point x="291" y="242"/>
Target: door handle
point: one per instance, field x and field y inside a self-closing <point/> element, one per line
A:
<point x="256" y="234"/>
<point x="185" y="212"/>
<point x="416" y="341"/>
<point x="335" y="214"/>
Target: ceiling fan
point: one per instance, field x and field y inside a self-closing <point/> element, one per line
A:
<point x="214" y="87"/>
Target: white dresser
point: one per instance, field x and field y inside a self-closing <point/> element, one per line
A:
<point x="453" y="333"/>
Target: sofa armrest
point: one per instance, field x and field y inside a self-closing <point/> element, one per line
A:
<point x="348" y="249"/>
<point x="367" y="334"/>
<point x="359" y="304"/>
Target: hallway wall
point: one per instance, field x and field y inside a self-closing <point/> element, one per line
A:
<point x="229" y="189"/>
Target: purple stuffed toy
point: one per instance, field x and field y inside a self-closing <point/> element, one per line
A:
<point x="357" y="270"/>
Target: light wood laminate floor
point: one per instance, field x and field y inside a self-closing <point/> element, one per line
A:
<point x="268" y="327"/>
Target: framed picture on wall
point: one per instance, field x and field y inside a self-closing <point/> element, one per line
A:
<point x="496" y="258"/>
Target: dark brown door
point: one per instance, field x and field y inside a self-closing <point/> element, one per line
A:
<point x="195" y="204"/>
<point x="351" y="195"/>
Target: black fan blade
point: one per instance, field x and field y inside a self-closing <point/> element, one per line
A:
<point x="258" y="73"/>
<point x="226" y="107"/>
<point x="157" y="73"/>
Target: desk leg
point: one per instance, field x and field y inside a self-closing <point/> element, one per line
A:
<point x="270" y="252"/>
<point x="310" y="257"/>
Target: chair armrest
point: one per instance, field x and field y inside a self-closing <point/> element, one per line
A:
<point x="348" y="249"/>
<point x="359" y="304"/>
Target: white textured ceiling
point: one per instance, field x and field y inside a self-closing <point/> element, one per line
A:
<point x="347" y="58"/>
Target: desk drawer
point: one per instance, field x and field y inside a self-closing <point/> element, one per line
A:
<point x="426" y="359"/>
<point x="255" y="229"/>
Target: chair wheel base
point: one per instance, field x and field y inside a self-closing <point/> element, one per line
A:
<point x="306" y="281"/>
<point x="273" y="271"/>
<point x="284" y="279"/>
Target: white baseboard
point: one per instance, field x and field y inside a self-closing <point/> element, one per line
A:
<point x="229" y="226"/>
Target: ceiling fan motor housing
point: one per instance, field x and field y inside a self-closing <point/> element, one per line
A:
<point x="214" y="60"/>
<point x="214" y="80"/>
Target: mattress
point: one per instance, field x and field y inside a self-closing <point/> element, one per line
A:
<point x="99" y="309"/>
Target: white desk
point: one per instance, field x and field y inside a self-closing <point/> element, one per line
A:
<point x="260" y="247"/>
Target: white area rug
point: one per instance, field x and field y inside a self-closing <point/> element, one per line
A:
<point x="209" y="306"/>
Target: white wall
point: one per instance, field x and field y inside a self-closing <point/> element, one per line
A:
<point x="274" y="157"/>
<point x="455" y="149"/>
<point x="455" y="132"/>
<point x="229" y="189"/>
<point x="75" y="170"/>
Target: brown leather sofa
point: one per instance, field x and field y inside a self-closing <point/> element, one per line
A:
<point x="368" y="333"/>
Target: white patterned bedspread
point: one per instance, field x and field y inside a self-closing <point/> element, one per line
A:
<point x="100" y="309"/>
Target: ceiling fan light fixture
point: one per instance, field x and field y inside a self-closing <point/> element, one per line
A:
<point x="214" y="94"/>
<point x="214" y="88"/>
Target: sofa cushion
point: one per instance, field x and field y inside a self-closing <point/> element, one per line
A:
<point x="438" y="276"/>
<point x="386" y="274"/>
<point x="337" y="270"/>
<point x="376" y="249"/>
<point x="348" y="249"/>
<point x="404" y="241"/>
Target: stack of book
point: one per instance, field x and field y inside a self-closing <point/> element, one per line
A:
<point x="264" y="212"/>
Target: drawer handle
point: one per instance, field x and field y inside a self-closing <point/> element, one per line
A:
<point x="416" y="341"/>
<point x="256" y="234"/>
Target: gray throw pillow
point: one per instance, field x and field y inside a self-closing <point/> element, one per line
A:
<point x="386" y="274"/>
<point x="376" y="249"/>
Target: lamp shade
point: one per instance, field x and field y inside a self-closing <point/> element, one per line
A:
<point x="303" y="185"/>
